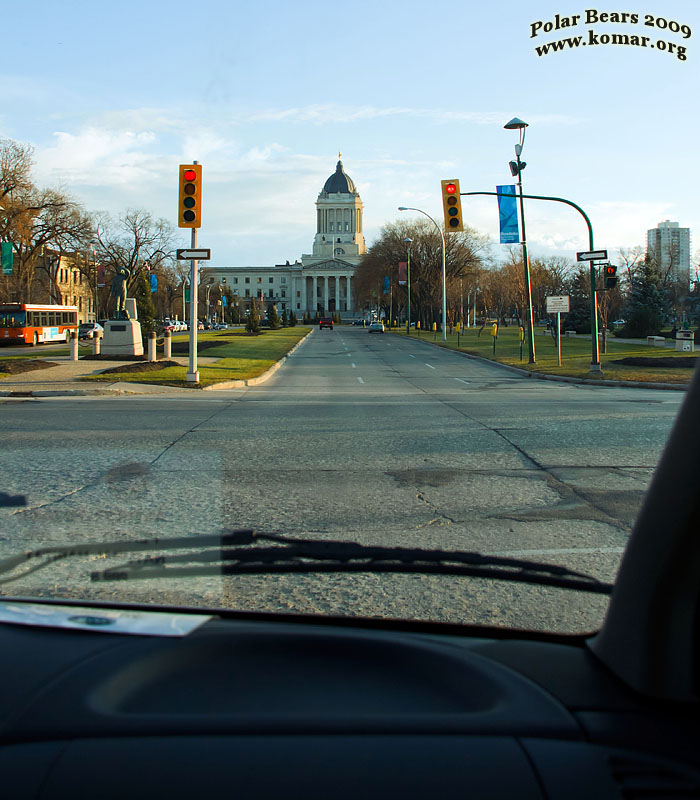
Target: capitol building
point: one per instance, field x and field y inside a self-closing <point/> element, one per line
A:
<point x="323" y="280"/>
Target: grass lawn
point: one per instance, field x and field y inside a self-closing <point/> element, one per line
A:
<point x="241" y="357"/>
<point x="575" y="355"/>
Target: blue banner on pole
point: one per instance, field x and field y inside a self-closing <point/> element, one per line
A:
<point x="7" y="258"/>
<point x="387" y="284"/>
<point x="508" y="214"/>
<point x="224" y="301"/>
<point x="154" y="283"/>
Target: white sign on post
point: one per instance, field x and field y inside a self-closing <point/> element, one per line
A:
<point x="558" y="304"/>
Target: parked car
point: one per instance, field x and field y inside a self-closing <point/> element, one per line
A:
<point x="376" y="327"/>
<point x="87" y="330"/>
<point x="325" y="322"/>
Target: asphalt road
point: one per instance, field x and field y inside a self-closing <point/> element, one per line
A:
<point x="364" y="437"/>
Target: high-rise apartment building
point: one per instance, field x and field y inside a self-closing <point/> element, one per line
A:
<point x="670" y="246"/>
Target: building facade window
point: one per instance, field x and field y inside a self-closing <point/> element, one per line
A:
<point x="247" y="280"/>
<point x="284" y="293"/>
<point x="259" y="280"/>
<point x="270" y="280"/>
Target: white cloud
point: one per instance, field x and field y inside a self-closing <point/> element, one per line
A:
<point x="335" y="113"/>
<point x="96" y="156"/>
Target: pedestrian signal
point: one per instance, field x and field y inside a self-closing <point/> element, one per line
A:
<point x="190" y="201"/>
<point x="452" y="206"/>
<point x="611" y="278"/>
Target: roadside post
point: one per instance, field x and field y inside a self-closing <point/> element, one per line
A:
<point x="74" y="346"/>
<point x="96" y="342"/>
<point x="152" y="346"/>
<point x="458" y="332"/>
<point x="522" y="339"/>
<point x="494" y="335"/>
<point x="558" y="304"/>
<point x="434" y="330"/>
<point x="167" y="340"/>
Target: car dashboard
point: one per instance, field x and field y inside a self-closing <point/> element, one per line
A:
<point x="269" y="706"/>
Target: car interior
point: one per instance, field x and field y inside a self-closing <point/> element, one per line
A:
<point x="257" y="705"/>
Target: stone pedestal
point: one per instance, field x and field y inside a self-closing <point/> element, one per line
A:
<point x="122" y="337"/>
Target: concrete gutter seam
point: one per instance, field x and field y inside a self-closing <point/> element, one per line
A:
<point x="677" y="387"/>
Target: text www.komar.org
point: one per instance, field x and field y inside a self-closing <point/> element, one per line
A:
<point x="591" y="38"/>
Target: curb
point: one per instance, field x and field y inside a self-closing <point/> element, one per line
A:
<point x="543" y="376"/>
<point x="84" y="392"/>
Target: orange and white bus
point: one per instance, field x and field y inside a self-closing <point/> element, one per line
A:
<point x="29" y="323"/>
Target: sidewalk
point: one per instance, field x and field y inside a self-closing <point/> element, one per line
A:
<point x="64" y="380"/>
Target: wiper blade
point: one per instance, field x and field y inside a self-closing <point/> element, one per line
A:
<point x="247" y="552"/>
<point x="240" y="553"/>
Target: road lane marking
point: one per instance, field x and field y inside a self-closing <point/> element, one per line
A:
<point x="569" y="551"/>
<point x="462" y="380"/>
<point x="353" y="365"/>
<point x="360" y="380"/>
<point x="410" y="355"/>
<point x="429" y="365"/>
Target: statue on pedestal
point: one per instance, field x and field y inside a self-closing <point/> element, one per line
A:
<point x="118" y="292"/>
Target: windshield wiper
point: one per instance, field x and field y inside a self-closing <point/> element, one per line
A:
<point x="240" y="553"/>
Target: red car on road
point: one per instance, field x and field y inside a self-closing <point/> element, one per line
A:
<point x="325" y="322"/>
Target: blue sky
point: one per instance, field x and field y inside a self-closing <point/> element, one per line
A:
<point x="113" y="96"/>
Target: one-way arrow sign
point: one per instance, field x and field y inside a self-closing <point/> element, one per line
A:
<point x="591" y="255"/>
<point x="204" y="254"/>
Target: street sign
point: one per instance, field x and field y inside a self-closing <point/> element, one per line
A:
<point x="558" y="304"/>
<point x="591" y="255"/>
<point x="203" y="254"/>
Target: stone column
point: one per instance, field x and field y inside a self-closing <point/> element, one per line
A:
<point x="314" y="305"/>
<point x="325" y="293"/>
<point x="337" y="294"/>
<point x="350" y="308"/>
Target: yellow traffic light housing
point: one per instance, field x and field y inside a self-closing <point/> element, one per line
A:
<point x="190" y="200"/>
<point x="452" y="206"/>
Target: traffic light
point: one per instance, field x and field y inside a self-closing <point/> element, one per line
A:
<point x="452" y="206"/>
<point x="610" y="276"/>
<point x="190" y="205"/>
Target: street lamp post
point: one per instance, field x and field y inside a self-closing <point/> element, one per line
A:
<point x="444" y="293"/>
<point x="93" y="242"/>
<point x="517" y="167"/>
<point x="408" y="241"/>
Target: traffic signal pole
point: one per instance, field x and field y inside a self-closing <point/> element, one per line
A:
<point x="192" y="373"/>
<point x="595" y="352"/>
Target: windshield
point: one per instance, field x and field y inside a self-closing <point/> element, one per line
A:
<point x="12" y="319"/>
<point x="469" y="329"/>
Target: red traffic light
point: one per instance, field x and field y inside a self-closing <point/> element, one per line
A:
<point x="190" y="175"/>
<point x="450" y="188"/>
<point x="610" y="270"/>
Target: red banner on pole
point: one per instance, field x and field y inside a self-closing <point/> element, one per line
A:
<point x="403" y="273"/>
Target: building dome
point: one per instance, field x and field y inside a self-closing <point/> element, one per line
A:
<point x="339" y="182"/>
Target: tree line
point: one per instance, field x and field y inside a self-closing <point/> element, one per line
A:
<point x="45" y="225"/>
<point x="646" y="297"/>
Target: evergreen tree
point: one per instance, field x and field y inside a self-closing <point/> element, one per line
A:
<point x="292" y="318"/>
<point x="144" y="303"/>
<point x="647" y="302"/>
<point x="253" y="323"/>
<point x="284" y="319"/>
<point x="273" y="316"/>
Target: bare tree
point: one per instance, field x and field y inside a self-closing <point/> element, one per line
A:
<point x="138" y="243"/>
